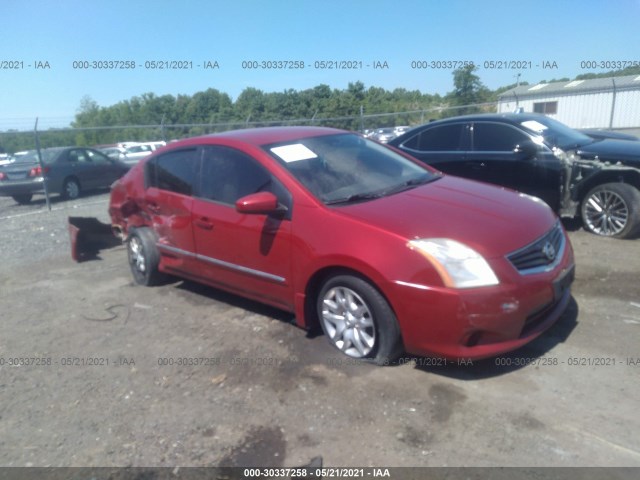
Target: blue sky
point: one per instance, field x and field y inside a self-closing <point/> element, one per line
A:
<point x="230" y="32"/>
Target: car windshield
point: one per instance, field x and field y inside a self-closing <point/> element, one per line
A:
<point x="557" y="134"/>
<point x="345" y="168"/>
<point x="48" y="156"/>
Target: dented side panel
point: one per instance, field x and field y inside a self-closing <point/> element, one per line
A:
<point x="125" y="207"/>
<point x="584" y="174"/>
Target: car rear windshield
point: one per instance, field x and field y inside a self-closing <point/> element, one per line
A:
<point x="48" y="156"/>
<point x="343" y="167"/>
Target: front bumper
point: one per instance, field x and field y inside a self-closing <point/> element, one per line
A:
<point x="482" y="322"/>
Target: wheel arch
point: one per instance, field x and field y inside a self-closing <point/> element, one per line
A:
<point x="618" y="220"/>
<point x="317" y="280"/>
<point x="131" y="229"/>
<point x="629" y="176"/>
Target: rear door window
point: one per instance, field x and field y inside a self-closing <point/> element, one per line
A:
<point x="443" y="138"/>
<point x="174" y="171"/>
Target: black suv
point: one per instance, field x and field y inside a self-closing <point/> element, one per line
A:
<point x="575" y="174"/>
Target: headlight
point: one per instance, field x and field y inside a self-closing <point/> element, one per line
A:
<point x="458" y="265"/>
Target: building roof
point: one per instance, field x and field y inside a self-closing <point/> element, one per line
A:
<point x="628" y="82"/>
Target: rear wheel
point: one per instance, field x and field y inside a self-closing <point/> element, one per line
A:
<point x="612" y="210"/>
<point x="144" y="257"/>
<point x="22" y="199"/>
<point x="358" y="320"/>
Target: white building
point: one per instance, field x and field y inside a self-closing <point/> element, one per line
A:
<point x="610" y="103"/>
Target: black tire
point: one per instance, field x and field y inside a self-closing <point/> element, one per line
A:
<point x="144" y="257"/>
<point x="71" y="189"/>
<point x="23" y="198"/>
<point x="373" y="333"/>
<point x="612" y="210"/>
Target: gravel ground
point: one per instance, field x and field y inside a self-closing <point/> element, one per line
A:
<point x="187" y="375"/>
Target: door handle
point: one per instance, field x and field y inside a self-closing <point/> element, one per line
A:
<point x="203" y="223"/>
<point x="475" y="165"/>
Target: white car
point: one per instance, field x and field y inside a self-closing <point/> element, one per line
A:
<point x="400" y="130"/>
<point x="383" y="135"/>
<point x="117" y="153"/>
<point x="5" y="159"/>
<point x="134" y="153"/>
<point x="156" y="145"/>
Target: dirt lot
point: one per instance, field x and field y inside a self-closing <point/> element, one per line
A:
<point x="186" y="375"/>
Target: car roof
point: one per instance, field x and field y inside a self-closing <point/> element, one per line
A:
<point x="268" y="135"/>
<point x="500" y="117"/>
<point x="53" y="149"/>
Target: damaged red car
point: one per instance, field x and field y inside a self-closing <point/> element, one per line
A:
<point x="385" y="254"/>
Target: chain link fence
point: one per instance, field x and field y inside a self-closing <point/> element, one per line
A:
<point x="14" y="140"/>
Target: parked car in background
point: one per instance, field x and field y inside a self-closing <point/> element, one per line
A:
<point x="5" y="159"/>
<point x="117" y="153"/>
<point x="134" y="153"/>
<point x="379" y="250"/>
<point x="368" y="132"/>
<point x="383" y="135"/>
<point x="68" y="172"/>
<point x="400" y="130"/>
<point x="156" y="145"/>
<point x="597" y="180"/>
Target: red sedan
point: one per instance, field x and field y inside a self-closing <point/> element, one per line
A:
<point x="385" y="254"/>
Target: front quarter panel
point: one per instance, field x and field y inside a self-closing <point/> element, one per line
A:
<point x="344" y="244"/>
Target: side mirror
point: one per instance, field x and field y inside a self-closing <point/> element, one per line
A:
<point x="261" y="202"/>
<point x="526" y="150"/>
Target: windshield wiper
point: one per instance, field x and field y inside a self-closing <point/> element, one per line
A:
<point x="413" y="182"/>
<point x="356" y="197"/>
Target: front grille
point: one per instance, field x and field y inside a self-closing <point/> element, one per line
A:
<point x="542" y="255"/>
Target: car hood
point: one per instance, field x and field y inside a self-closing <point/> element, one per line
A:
<point x="493" y="221"/>
<point x="625" y="151"/>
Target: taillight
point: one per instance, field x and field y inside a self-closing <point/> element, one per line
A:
<point x="3" y="176"/>
<point x="37" y="171"/>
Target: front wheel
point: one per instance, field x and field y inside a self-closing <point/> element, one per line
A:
<point x="358" y="321"/>
<point x="612" y="210"/>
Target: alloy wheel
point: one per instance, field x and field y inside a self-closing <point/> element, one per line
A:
<point x="136" y="256"/>
<point x="606" y="213"/>
<point x="72" y="189"/>
<point x="348" y="322"/>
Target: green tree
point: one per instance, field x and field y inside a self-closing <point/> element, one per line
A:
<point x="468" y="90"/>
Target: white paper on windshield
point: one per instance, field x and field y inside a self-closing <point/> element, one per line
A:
<point x="294" y="152"/>
<point x="534" y="125"/>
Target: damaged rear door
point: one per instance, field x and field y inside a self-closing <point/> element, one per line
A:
<point x="168" y="201"/>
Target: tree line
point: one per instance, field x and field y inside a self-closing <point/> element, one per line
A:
<point x="167" y="116"/>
